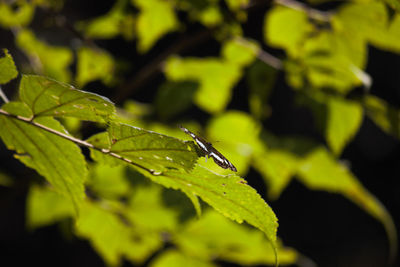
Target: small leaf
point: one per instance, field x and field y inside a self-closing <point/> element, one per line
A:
<point x="8" y="71"/>
<point x="320" y="171"/>
<point x="49" y="60"/>
<point x="152" y="151"/>
<point x="287" y="28"/>
<point x="94" y="64"/>
<point x="172" y="257"/>
<point x="47" y="97"/>
<point x="215" y="237"/>
<point x="156" y="18"/>
<point x="216" y="79"/>
<point x="19" y="13"/>
<point x="60" y="161"/>
<point x="5" y="180"/>
<point x="277" y="168"/>
<point x="46" y="207"/>
<point x="240" y="52"/>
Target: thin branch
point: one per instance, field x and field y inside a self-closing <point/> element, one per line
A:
<point x="311" y="12"/>
<point x="76" y="140"/>
<point x="3" y="96"/>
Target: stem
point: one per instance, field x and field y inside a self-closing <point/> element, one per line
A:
<point x="76" y="140"/>
<point x="3" y="96"/>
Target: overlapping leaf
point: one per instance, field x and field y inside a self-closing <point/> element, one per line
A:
<point x="59" y="160"/>
<point x="8" y="71"/>
<point x="47" y="97"/>
<point x="152" y="151"/>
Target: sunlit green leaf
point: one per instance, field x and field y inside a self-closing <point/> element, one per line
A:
<point x="47" y="97"/>
<point x="236" y="136"/>
<point x="382" y="114"/>
<point x="240" y="52"/>
<point x="46" y="207"/>
<point x="174" y="258"/>
<point x="115" y="22"/>
<point x="214" y="236"/>
<point x="152" y="151"/>
<point x="46" y="59"/>
<point x="215" y="77"/>
<point x="210" y="16"/>
<point x="109" y="182"/>
<point x="343" y="121"/>
<point x="287" y="28"/>
<point x="8" y="71"/>
<point x="94" y="64"/>
<point x="320" y="171"/>
<point x="229" y="195"/>
<point x="60" y="161"/>
<point x="148" y="211"/>
<point x="277" y="168"/>
<point x="16" y="13"/>
<point x="156" y="18"/>
<point x="237" y="4"/>
<point x="393" y="4"/>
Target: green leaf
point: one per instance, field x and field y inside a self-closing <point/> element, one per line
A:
<point x="237" y="135"/>
<point x="393" y="4"/>
<point x="320" y="171"/>
<point x="108" y="26"/>
<point x="287" y="28"/>
<point x="277" y="167"/>
<point x="216" y="79"/>
<point x="46" y="207"/>
<point x="215" y="237"/>
<point x="5" y="180"/>
<point x="343" y="121"/>
<point x="149" y="150"/>
<point x="8" y="71"/>
<point x="47" y="97"/>
<point x="94" y="64"/>
<point x="156" y="18"/>
<point x="240" y="52"/>
<point x="109" y="182"/>
<point x="172" y="257"/>
<point x="59" y="160"/>
<point x="382" y="114"/>
<point x="230" y="195"/>
<point x="46" y="59"/>
<point x="110" y="236"/>
<point x="18" y="13"/>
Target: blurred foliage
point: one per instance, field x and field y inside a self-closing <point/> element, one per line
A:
<point x="110" y="201"/>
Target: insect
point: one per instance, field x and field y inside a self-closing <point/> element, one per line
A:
<point x="210" y="151"/>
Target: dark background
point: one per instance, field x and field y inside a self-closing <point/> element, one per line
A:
<point x="325" y="227"/>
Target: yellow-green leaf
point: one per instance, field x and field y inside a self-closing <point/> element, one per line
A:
<point x="59" y="160"/>
<point x="287" y="28"/>
<point x="8" y="71"/>
<point x="16" y="13"/>
<point x="216" y="79"/>
<point x="47" y="97"/>
<point x="94" y="64"/>
<point x="320" y="171"/>
<point x="343" y="121"/>
<point x="156" y="18"/>
<point x="46" y="59"/>
<point x="215" y="237"/>
<point x="172" y="257"/>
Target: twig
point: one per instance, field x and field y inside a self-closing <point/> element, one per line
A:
<point x="3" y="96"/>
<point x="311" y="12"/>
<point x="77" y="141"/>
